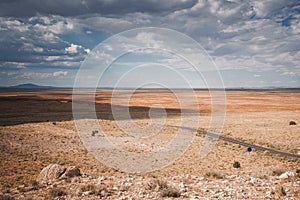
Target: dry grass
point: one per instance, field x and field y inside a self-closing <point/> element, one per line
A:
<point x="258" y="117"/>
<point x="163" y="187"/>
<point x="213" y="175"/>
<point x="55" y="192"/>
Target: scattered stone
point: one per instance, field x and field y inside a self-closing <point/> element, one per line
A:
<point x="51" y="173"/>
<point x="136" y="187"/>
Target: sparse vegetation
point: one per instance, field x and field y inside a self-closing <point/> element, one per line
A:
<point x="236" y="164"/>
<point x="298" y="173"/>
<point x="6" y="197"/>
<point x="94" y="133"/>
<point x="28" y="147"/>
<point x="161" y="184"/>
<point x="201" y="132"/>
<point x="293" y="123"/>
<point x="34" y="184"/>
<point x="92" y="189"/>
<point x="57" y="193"/>
<point x="277" y="172"/>
<point x="214" y="175"/>
<point x="88" y="188"/>
<point x="163" y="187"/>
<point x="170" y="192"/>
<point x="282" y="192"/>
<point x="151" y="185"/>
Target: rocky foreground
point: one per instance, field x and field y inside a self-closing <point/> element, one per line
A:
<point x="58" y="182"/>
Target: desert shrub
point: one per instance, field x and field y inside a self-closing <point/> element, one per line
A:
<point x="151" y="185"/>
<point x="292" y="123"/>
<point x="100" y="191"/>
<point x="88" y="187"/>
<point x="298" y="173"/>
<point x="214" y="175"/>
<point x="170" y="192"/>
<point x="236" y="164"/>
<point x="57" y="193"/>
<point x="282" y="191"/>
<point x="163" y="187"/>
<point x="6" y="197"/>
<point x="277" y="172"/>
<point x="94" y="132"/>
<point x="35" y="185"/>
<point x="161" y="184"/>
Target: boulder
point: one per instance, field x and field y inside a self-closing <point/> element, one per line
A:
<point x="51" y="173"/>
<point x="71" y="172"/>
<point x="287" y="175"/>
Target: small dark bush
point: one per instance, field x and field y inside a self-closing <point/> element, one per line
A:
<point x="94" y="133"/>
<point x="170" y="192"/>
<point x="89" y="187"/>
<point x="236" y="164"/>
<point x="214" y="175"/>
<point x="34" y="184"/>
<point x="282" y="191"/>
<point x="57" y="193"/>
<point x="277" y="172"/>
<point x="298" y="171"/>
<point x="151" y="185"/>
<point x="6" y="197"/>
<point x="92" y="189"/>
<point x="292" y="123"/>
<point x="161" y="184"/>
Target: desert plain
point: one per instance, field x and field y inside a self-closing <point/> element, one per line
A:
<point x="37" y="129"/>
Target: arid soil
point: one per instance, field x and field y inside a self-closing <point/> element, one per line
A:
<point x="37" y="129"/>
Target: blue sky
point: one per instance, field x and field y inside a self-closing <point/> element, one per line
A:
<point x="254" y="43"/>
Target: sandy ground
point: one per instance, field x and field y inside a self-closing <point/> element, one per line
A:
<point x="37" y="130"/>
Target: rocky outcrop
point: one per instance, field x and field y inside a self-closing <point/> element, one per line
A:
<point x="71" y="172"/>
<point x="54" y="172"/>
<point x="51" y="173"/>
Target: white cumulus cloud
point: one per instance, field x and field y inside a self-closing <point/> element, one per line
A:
<point x="60" y="73"/>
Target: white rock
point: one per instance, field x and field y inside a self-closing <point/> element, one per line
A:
<point x="252" y="180"/>
<point x="286" y="175"/>
<point x="181" y="185"/>
<point x="199" y="184"/>
<point x="268" y="195"/>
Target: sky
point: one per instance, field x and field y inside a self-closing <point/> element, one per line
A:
<point x="253" y="43"/>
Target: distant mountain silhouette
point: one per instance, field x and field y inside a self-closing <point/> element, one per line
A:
<point x="30" y="85"/>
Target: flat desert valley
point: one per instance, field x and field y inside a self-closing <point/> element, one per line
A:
<point x="37" y="129"/>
